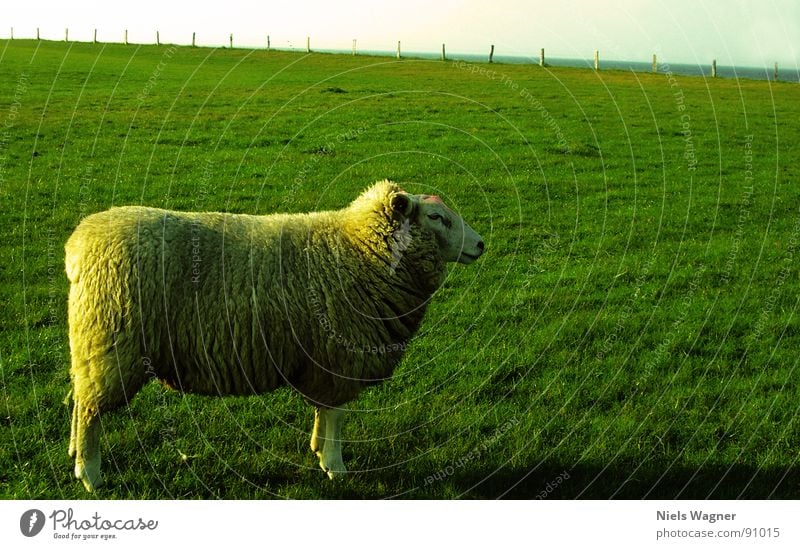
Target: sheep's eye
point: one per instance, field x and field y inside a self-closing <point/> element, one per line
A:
<point x="435" y="217"/>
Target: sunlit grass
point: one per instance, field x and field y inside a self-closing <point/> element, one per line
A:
<point x="633" y="321"/>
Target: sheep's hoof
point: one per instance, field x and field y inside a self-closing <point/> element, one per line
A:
<point x="91" y="478"/>
<point x="335" y="471"/>
<point x="336" y="474"/>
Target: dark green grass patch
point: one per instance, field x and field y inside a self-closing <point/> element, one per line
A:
<point x="632" y="328"/>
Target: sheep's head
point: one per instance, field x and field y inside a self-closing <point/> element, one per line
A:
<point x="457" y="241"/>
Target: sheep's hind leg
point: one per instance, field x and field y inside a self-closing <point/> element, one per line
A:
<point x="318" y="434"/>
<point x="87" y="450"/>
<point x="73" y="432"/>
<point x="331" y="458"/>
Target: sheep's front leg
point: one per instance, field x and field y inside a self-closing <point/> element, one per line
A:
<point x="87" y="451"/>
<point x="331" y="453"/>
<point x="318" y="434"/>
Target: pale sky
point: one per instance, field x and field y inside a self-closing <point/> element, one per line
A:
<point x="738" y="32"/>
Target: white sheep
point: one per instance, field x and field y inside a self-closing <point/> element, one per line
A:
<point x="224" y="304"/>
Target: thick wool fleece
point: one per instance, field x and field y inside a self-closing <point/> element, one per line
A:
<point x="224" y="304"/>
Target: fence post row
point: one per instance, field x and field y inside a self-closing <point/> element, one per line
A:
<point x="355" y="50"/>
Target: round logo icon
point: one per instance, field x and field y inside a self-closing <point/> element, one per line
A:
<point x="31" y="522"/>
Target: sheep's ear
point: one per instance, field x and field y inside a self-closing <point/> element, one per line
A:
<point x="402" y="205"/>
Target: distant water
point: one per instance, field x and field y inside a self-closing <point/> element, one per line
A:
<point x="765" y="73"/>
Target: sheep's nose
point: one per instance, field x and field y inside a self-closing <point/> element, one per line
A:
<point x="480" y="245"/>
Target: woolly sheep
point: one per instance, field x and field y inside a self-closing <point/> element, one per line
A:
<point x="224" y="304"/>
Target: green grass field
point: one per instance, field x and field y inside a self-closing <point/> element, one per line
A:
<point x="632" y="330"/>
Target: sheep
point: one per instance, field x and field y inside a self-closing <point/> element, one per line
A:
<point x="226" y="304"/>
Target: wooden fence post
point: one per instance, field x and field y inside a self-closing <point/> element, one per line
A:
<point x="491" y="54"/>
<point x="95" y="36"/>
<point x="444" y="54"/>
<point x="596" y="60"/>
<point x="655" y="63"/>
<point x="541" y="57"/>
<point x="268" y="42"/>
<point x="354" y="46"/>
<point x="193" y="39"/>
<point x="775" y="74"/>
<point x="308" y="44"/>
<point x="713" y="68"/>
<point x="66" y="35"/>
<point x="158" y="39"/>
<point x="230" y="39"/>
<point x="398" y="49"/>
<point x="126" y="37"/>
<point x="37" y="33"/>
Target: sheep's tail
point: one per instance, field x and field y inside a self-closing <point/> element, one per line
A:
<point x="72" y="259"/>
<point x="72" y="264"/>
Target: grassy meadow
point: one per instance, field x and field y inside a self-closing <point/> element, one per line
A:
<point x="631" y="331"/>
